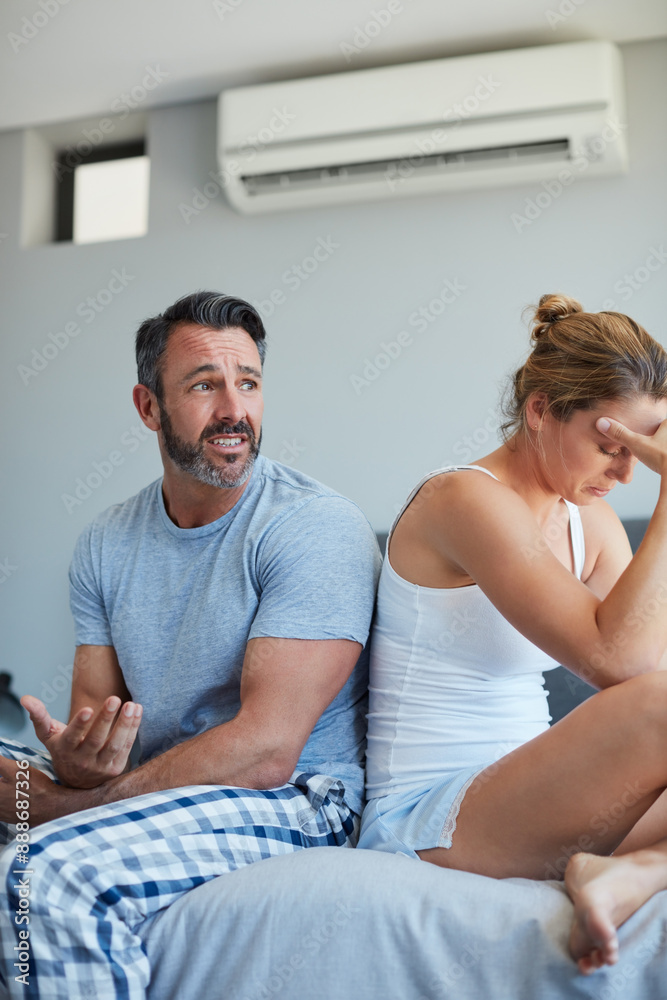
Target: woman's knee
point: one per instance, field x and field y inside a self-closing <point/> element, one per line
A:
<point x="643" y="700"/>
<point x="651" y="686"/>
<point x="629" y="717"/>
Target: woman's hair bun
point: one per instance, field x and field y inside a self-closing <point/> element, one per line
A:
<point x="550" y="309"/>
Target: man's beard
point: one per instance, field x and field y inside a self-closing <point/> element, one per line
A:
<point x="191" y="458"/>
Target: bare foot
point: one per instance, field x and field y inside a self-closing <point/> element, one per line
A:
<point x="605" y="892"/>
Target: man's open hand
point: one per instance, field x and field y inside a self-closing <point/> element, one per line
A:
<point x="93" y="747"/>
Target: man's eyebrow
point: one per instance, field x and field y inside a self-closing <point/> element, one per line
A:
<point x="201" y="369"/>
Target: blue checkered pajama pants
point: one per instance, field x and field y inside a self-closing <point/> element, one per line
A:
<point x="98" y="874"/>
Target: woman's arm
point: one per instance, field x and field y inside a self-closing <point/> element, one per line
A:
<point x="486" y="529"/>
<point x="644" y="580"/>
<point x="608" y="551"/>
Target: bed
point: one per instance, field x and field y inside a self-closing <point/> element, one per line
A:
<point x="337" y="924"/>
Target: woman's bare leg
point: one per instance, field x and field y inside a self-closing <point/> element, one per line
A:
<point x="582" y="786"/>
<point x="647" y="831"/>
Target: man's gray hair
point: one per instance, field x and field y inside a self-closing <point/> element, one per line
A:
<point x="219" y="312"/>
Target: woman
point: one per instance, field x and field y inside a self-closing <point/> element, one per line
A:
<point x="500" y="570"/>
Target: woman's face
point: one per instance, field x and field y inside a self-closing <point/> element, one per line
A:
<point x="583" y="465"/>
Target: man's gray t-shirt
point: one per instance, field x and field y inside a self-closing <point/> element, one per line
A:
<point x="292" y="559"/>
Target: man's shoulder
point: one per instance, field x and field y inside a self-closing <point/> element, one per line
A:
<point x="290" y="490"/>
<point x="293" y="482"/>
<point x="120" y="515"/>
<point x="295" y="506"/>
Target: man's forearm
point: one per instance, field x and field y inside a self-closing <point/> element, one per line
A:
<point x="225" y="755"/>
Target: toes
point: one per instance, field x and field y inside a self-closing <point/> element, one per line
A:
<point x="597" y="958"/>
<point x="589" y="963"/>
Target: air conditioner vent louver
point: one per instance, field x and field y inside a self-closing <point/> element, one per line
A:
<point x="516" y="117"/>
<point x="556" y="150"/>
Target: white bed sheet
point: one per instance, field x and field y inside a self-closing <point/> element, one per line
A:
<point x="337" y="924"/>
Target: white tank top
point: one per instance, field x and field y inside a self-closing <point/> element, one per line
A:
<point x="452" y="683"/>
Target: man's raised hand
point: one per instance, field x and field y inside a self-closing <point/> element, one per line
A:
<point x="93" y="747"/>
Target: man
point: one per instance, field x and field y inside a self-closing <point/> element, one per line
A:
<point x="225" y="609"/>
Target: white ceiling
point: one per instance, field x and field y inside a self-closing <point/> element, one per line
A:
<point x="83" y="54"/>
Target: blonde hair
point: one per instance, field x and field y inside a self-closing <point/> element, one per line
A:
<point x="580" y="359"/>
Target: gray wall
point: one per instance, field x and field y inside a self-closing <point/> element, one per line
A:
<point x="391" y="259"/>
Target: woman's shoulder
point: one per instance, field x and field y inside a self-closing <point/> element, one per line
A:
<point x="455" y="499"/>
<point x="454" y="514"/>
<point x="456" y="484"/>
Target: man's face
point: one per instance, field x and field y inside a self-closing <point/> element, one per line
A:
<point x="211" y="407"/>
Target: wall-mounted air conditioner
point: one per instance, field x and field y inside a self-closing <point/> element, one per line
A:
<point x="443" y="125"/>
